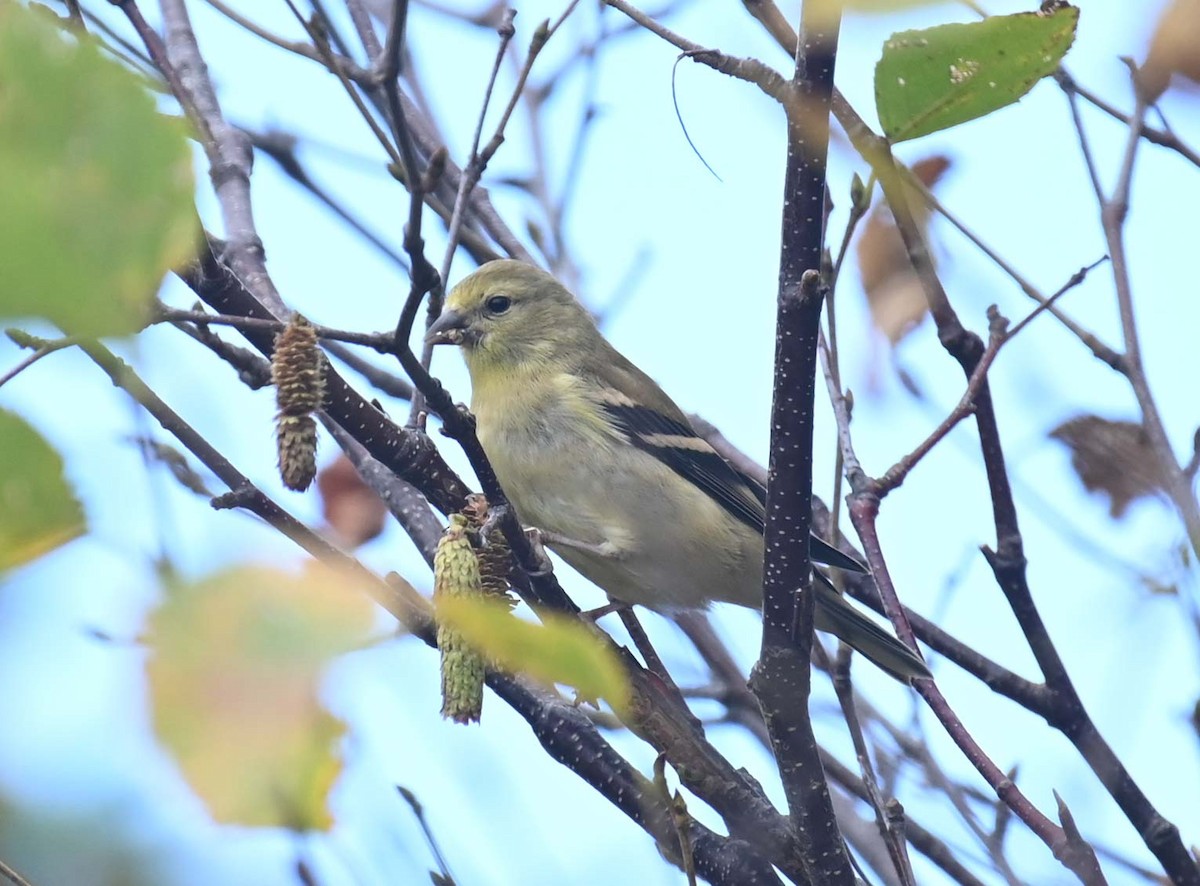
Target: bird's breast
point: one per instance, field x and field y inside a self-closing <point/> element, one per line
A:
<point x="568" y="472"/>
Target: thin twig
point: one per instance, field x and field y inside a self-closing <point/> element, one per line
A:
<point x="1090" y="340"/>
<point x="1157" y="136"/>
<point x="42" y="348"/>
<point x="328" y="58"/>
<point x="398" y="597"/>
<point x="641" y="640"/>
<point x="1000" y="336"/>
<point x="253" y="371"/>
<point x="473" y="168"/>
<point x="379" y="341"/>
<point x="895" y="475"/>
<point x="479" y="158"/>
<point x="1085" y="147"/>
<point x="466" y="183"/>
<point x="280" y="147"/>
<point x="12" y="876"/>
<point x="892" y="836"/>
<point x="294" y="46"/>
<point x="1076" y="855"/>
<point x="864" y="506"/>
<point x="1113" y="211"/>
<point x="860" y="204"/>
<point x="418" y="812"/>
<point x="750" y="70"/>
<point x="1161" y="835"/>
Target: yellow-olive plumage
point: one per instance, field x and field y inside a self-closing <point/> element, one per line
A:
<point x="590" y="450"/>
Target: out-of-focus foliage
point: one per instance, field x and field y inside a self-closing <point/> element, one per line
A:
<point x="38" y="510"/>
<point x="1174" y="49"/>
<point x="893" y="289"/>
<point x="352" y="509"/>
<point x="96" y="185"/>
<point x="234" y="674"/>
<point x="557" y="651"/>
<point x="1113" y="457"/>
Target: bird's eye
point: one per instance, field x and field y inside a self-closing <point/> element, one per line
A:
<point x="498" y="304"/>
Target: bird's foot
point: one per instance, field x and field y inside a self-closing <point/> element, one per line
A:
<point x="535" y="537"/>
<point x="608" y="608"/>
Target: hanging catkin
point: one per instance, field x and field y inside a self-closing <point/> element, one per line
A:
<point x="297" y="370"/>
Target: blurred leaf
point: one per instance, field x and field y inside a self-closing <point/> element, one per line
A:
<point x="558" y="651"/>
<point x="96" y="185"/>
<point x="1174" y="49"/>
<point x="828" y="10"/>
<point x="939" y="77"/>
<point x="1113" y="457"/>
<point x="233" y="678"/>
<point x="351" y="508"/>
<point x="38" y="510"/>
<point x="894" y="292"/>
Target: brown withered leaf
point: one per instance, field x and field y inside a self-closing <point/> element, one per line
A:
<point x="1174" y="49"/>
<point x="894" y="292"/>
<point x="1113" y="457"/>
<point x="350" y="507"/>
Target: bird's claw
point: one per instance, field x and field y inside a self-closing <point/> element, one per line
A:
<point x="492" y="521"/>
<point x="535" y="536"/>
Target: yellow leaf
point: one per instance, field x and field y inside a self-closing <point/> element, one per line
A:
<point x="233" y="678"/>
<point x="560" y="650"/>
<point x="38" y="511"/>
<point x="828" y="11"/>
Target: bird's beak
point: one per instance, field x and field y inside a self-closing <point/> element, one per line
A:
<point x="447" y="329"/>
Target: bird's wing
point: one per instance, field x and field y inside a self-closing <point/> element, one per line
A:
<point x="654" y="424"/>
<point x="676" y="445"/>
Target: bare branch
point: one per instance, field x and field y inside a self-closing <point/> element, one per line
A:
<point x="41" y="348"/>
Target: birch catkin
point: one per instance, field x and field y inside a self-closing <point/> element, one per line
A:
<point x="297" y="370"/>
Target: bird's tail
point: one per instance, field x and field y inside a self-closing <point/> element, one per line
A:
<point x="837" y="616"/>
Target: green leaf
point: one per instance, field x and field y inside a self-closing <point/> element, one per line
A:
<point x="38" y="511"/>
<point x="96" y="185"/>
<point x="939" y="77"/>
<point x="560" y="650"/>
<point x="233" y="679"/>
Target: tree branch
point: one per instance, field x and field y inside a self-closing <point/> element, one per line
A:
<point x="782" y="677"/>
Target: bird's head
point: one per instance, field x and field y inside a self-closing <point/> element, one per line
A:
<point x="508" y="315"/>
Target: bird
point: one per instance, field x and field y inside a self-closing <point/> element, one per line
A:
<point x="596" y="456"/>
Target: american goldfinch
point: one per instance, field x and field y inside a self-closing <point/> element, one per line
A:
<point x="593" y="453"/>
